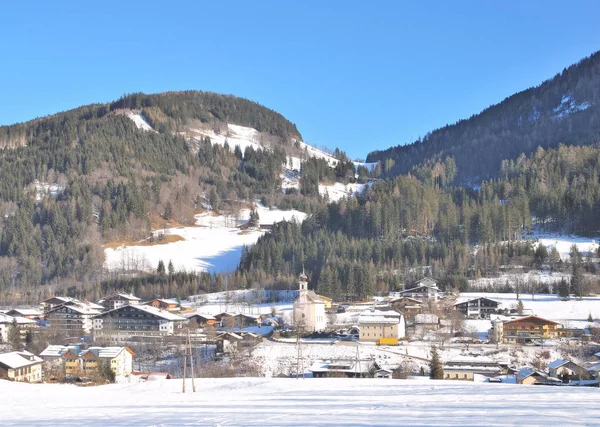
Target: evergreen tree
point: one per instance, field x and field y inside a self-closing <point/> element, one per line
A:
<point x="171" y="268"/>
<point x="161" y="267"/>
<point x="436" y="370"/>
<point x="14" y="336"/>
<point x="520" y="307"/>
<point x="168" y="214"/>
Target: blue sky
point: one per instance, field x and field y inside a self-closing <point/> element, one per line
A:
<point x="355" y="75"/>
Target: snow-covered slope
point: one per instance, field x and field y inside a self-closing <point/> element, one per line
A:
<point x="303" y="402"/>
<point x="234" y="136"/>
<point x="139" y="121"/>
<point x="214" y="245"/>
<point x="586" y="245"/>
<point x="338" y="190"/>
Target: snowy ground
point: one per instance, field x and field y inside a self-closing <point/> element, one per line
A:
<point x="302" y="402"/>
<point x="214" y="245"/>
<point x="563" y="242"/>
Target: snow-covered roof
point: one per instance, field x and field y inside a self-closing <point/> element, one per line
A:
<point x="19" y="359"/>
<point x="5" y="318"/>
<point x="129" y="297"/>
<point x="55" y="351"/>
<point x="26" y="311"/>
<point x="475" y="360"/>
<point x="79" y="307"/>
<point x="164" y="314"/>
<point x="557" y="363"/>
<point x="343" y="365"/>
<point x="193" y="313"/>
<point x="106" y="352"/>
<point x="363" y="319"/>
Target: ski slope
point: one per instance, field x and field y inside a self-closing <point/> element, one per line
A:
<point x="298" y="402"/>
<point x="214" y="244"/>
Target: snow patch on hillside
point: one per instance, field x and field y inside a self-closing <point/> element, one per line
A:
<point x="586" y="245"/>
<point x="139" y="121"/>
<point x="214" y="245"/>
<point x="241" y="136"/>
<point x="339" y="191"/>
<point x="568" y="105"/>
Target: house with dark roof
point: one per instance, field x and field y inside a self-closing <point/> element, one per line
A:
<point x="423" y="290"/>
<point x="132" y="320"/>
<point x="118" y="300"/>
<point x="568" y="371"/>
<point x="480" y="307"/>
<point x="351" y="368"/>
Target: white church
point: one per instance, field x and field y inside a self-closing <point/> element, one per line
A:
<point x="309" y="309"/>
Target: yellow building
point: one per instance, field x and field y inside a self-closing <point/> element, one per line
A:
<point x="327" y="301"/>
<point x="528" y="329"/>
<point x="381" y="325"/>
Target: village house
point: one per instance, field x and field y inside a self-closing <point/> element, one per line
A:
<point x="351" y="368"/>
<point x="6" y="322"/>
<point x="382" y="327"/>
<point x="133" y="320"/>
<point x="567" y="370"/>
<point x="529" y="329"/>
<point x="165" y="304"/>
<point x="529" y="376"/>
<point x="424" y="290"/>
<point x="464" y="367"/>
<point x="229" y="341"/>
<point x="27" y="313"/>
<point x="73" y="317"/>
<point x="53" y="302"/>
<point x="406" y="304"/>
<point x="200" y="320"/>
<point x="118" y="300"/>
<point x="20" y="366"/>
<point x="309" y="309"/>
<point x="235" y="320"/>
<point x="477" y="307"/>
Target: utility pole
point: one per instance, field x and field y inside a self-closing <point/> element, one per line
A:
<point x="191" y="359"/>
<point x="184" y="367"/>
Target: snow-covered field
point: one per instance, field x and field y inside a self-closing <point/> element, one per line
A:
<point x="302" y="402"/>
<point x="214" y="245"/>
<point x="563" y="242"/>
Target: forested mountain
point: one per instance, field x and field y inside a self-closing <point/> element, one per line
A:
<point x="383" y="237"/>
<point x="119" y="169"/>
<point x="562" y="110"/>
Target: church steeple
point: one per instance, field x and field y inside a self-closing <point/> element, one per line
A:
<point x="303" y="283"/>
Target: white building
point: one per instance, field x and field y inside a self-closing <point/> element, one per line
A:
<point x="309" y="309"/>
<point x="21" y="366"/>
<point x="6" y="322"/>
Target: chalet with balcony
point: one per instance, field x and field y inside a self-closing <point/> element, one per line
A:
<point x="118" y="300"/>
<point x="424" y="290"/>
<point x="477" y="307"/>
<point x="131" y="320"/>
<point x="165" y="304"/>
<point x="73" y="317"/>
<point x="529" y="329"/>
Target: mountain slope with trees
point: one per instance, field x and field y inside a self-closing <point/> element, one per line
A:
<point x="562" y="110"/>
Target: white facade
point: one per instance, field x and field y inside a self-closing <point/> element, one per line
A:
<point x="309" y="309"/>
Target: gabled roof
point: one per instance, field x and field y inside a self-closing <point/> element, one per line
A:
<point x="5" y="318"/>
<point x="128" y="297"/>
<point x="194" y="314"/>
<point x="85" y="303"/>
<point x="534" y="319"/>
<point x="78" y="307"/>
<point x="25" y="311"/>
<point x="107" y="352"/>
<point x="19" y="359"/>
<point x="558" y="363"/>
<point x="55" y="351"/>
<point x="164" y="301"/>
<point x="166" y="315"/>
<point x="59" y="299"/>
